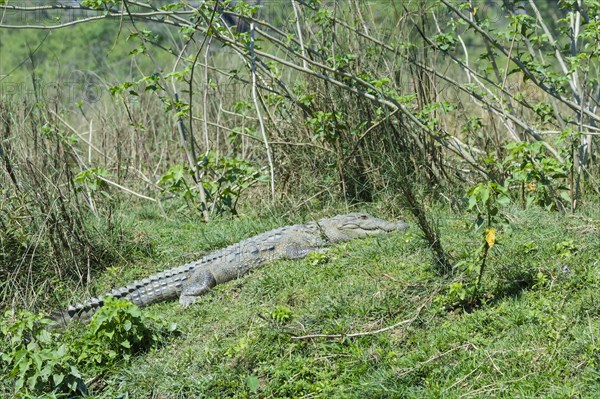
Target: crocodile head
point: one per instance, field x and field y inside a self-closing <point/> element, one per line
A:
<point x="357" y="225"/>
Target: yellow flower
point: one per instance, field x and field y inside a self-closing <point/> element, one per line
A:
<point x="490" y="236"/>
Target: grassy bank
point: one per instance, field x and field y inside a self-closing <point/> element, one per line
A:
<point x="393" y="325"/>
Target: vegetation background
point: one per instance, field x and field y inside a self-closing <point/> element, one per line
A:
<point x="135" y="137"/>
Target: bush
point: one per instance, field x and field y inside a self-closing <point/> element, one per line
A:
<point x="34" y="359"/>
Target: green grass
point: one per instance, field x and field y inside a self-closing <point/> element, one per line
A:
<point x="536" y="335"/>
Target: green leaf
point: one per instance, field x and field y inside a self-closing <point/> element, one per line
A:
<point x="472" y="202"/>
<point x="252" y="383"/>
<point x="19" y="383"/>
<point x="485" y="194"/>
<point x="58" y="378"/>
<point x="32" y="381"/>
<point x="503" y="200"/>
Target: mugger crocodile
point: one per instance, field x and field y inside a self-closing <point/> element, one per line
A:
<point x="191" y="280"/>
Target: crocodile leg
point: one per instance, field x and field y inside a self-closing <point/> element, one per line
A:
<point x="197" y="284"/>
<point x="297" y="252"/>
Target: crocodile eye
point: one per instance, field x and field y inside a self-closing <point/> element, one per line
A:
<point x="363" y="217"/>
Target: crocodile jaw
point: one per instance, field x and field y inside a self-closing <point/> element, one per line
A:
<point x="357" y="225"/>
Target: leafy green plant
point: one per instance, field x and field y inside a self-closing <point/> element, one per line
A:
<point x="116" y="332"/>
<point x="224" y="179"/>
<point x="53" y="133"/>
<point x="327" y="126"/>
<point x="99" y="4"/>
<point x="566" y="248"/>
<point x="317" y="258"/>
<point x="540" y="177"/>
<point x="281" y="314"/>
<point x="91" y="180"/>
<point x="33" y="358"/>
<point x="485" y="200"/>
<point x="40" y="360"/>
<point x="455" y="293"/>
<point x="176" y="181"/>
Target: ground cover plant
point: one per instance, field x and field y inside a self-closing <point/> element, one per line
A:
<point x="188" y="127"/>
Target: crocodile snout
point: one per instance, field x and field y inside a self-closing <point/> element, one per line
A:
<point x="399" y="226"/>
<point x="390" y="227"/>
<point x="377" y="226"/>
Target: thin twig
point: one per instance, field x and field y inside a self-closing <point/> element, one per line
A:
<point x="365" y="333"/>
<point x="298" y="28"/>
<point x="435" y="357"/>
<point x="258" y="113"/>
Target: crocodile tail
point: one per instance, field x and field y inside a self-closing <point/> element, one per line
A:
<point x="85" y="311"/>
<point x="79" y="312"/>
<point x="156" y="288"/>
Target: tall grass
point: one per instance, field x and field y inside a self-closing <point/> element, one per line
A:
<point x="54" y="233"/>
